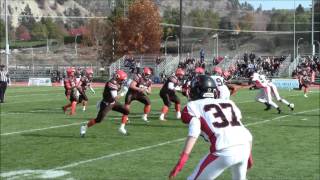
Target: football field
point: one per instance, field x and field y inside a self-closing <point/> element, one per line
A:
<point x="39" y="141"/>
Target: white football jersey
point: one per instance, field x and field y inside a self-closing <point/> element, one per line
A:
<point x="260" y="80"/>
<point x="224" y="92"/>
<point x="217" y="119"/>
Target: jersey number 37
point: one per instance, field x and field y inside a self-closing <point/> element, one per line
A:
<point x="219" y="114"/>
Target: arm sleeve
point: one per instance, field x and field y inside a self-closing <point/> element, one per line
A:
<point x="194" y="127"/>
<point x="114" y="93"/>
<point x="171" y="86"/>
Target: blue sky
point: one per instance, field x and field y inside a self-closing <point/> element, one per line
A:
<point x="278" y="4"/>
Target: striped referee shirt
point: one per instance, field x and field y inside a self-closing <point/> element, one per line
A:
<point x="4" y="76"/>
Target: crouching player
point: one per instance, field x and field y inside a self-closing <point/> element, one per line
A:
<point x="168" y="93"/>
<point x="219" y="121"/>
<point x="109" y="102"/>
<point x="85" y="82"/>
<point x="139" y="87"/>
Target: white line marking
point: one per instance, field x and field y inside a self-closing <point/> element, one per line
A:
<point x="280" y="117"/>
<point x="41" y="129"/>
<point x="117" y="154"/>
<point x="157" y="145"/>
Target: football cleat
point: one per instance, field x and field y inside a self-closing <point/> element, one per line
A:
<point x="145" y="118"/>
<point x="83" y="130"/>
<point x="268" y="107"/>
<point x="122" y="130"/>
<point x="291" y="106"/>
<point x="162" y="117"/>
<point x="178" y="115"/>
<point x="279" y="110"/>
<point x="305" y="95"/>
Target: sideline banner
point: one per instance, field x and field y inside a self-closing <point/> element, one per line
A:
<point x="39" y="82"/>
<point x="286" y="83"/>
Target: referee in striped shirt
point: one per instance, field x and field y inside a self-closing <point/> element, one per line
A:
<point x="4" y="79"/>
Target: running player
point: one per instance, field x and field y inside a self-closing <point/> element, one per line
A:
<point x="265" y="92"/>
<point x="305" y="80"/>
<point x="71" y="91"/>
<point x="139" y="88"/>
<point x="85" y="82"/>
<point x="109" y="102"/>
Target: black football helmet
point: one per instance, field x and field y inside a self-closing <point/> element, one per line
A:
<point x="202" y="86"/>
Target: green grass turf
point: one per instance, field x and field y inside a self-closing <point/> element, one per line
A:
<point x="285" y="146"/>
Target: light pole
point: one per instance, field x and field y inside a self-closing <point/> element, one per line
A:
<point x="298" y="46"/>
<point x="7" y="39"/>
<point x="47" y="45"/>
<point x="165" y="45"/>
<point x="217" y="43"/>
<point x="75" y="44"/>
<point x="312" y="28"/>
<point x="199" y="40"/>
<point x="32" y="61"/>
<point x="294" y="30"/>
<point x="318" y="46"/>
<point x="178" y="41"/>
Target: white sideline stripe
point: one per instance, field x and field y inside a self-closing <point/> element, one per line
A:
<point x="281" y="117"/>
<point x="40" y="129"/>
<point x="160" y="144"/>
<point x="117" y="154"/>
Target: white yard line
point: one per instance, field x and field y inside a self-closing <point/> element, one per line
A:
<point x="40" y="129"/>
<point x="117" y="154"/>
<point x="160" y="144"/>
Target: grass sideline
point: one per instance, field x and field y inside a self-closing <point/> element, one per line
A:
<point x="38" y="139"/>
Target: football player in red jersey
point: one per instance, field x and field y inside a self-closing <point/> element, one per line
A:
<point x="139" y="87"/>
<point x="227" y="76"/>
<point x="305" y="80"/>
<point x="71" y="91"/>
<point x="168" y="93"/>
<point x="85" y="82"/>
<point x="110" y="102"/>
<point x="186" y="86"/>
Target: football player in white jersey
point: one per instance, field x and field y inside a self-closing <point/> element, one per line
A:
<point x="223" y="90"/>
<point x="275" y="93"/>
<point x="265" y="92"/>
<point x="220" y="121"/>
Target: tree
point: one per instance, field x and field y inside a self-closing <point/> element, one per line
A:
<point x="171" y="16"/>
<point x="39" y="31"/>
<point x="247" y="22"/>
<point x="23" y="33"/>
<point x="95" y="32"/>
<point x="281" y="20"/>
<point x="26" y="19"/>
<point x="141" y="31"/>
<point x="299" y="9"/>
<point x="41" y="3"/>
<point x="201" y="18"/>
<point x="54" y="32"/>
